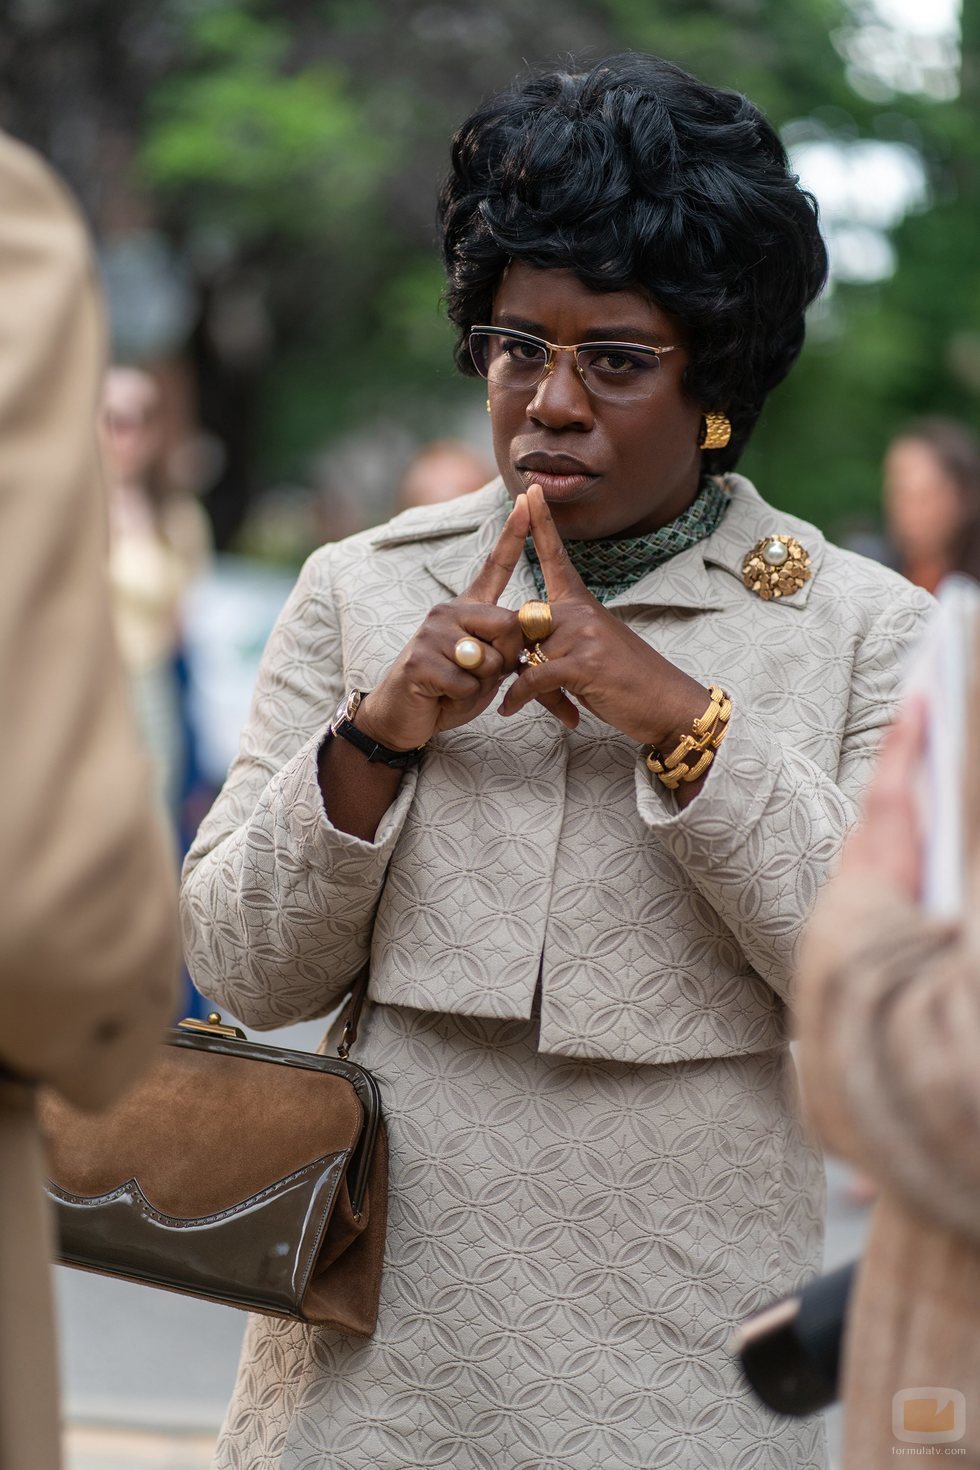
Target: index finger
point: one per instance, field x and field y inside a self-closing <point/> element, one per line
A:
<point x="497" y="570"/>
<point x="560" y="577"/>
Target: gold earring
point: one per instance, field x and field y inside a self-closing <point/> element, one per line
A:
<point x="488" y="405"/>
<point x="717" y="431"/>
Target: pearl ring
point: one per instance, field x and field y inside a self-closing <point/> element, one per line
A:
<point x="469" y="654"/>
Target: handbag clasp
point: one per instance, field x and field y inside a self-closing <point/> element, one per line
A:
<point x="212" y="1027"/>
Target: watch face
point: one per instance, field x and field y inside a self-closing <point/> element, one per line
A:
<point x="340" y="713"/>
<point x="347" y="708"/>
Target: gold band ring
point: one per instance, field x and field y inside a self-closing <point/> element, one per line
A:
<point x="469" y="654"/>
<point x="536" y="620"/>
<point x="532" y="657"/>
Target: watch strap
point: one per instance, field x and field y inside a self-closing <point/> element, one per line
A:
<point x="343" y="725"/>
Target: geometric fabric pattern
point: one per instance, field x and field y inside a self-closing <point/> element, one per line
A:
<point x="570" y="1244"/>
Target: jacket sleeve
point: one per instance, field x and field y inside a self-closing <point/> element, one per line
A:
<point x="889" y="1023"/>
<point x="88" y="920"/>
<point x="278" y="904"/>
<point x="761" y="837"/>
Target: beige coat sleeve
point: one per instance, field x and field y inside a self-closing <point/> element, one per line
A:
<point x="88" y="932"/>
<point x="278" y="904"/>
<point x="763" y="836"/>
<point x="889" y="1026"/>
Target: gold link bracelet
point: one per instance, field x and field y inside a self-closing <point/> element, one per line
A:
<point x="708" y="731"/>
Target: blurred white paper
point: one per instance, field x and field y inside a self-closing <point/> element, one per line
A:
<point x="940" y="674"/>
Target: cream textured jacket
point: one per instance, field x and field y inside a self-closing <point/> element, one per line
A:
<point x="521" y="849"/>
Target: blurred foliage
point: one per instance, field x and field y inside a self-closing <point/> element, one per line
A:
<point x="254" y="149"/>
<point x="293" y="152"/>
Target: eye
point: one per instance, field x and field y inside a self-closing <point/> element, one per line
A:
<point x="614" y="362"/>
<point x="520" y="351"/>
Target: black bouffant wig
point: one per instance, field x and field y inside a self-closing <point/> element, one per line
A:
<point x="637" y="175"/>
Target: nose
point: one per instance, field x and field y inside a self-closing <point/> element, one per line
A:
<point x="561" y="400"/>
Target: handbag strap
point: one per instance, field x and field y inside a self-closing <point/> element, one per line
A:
<point x="354" y="1007"/>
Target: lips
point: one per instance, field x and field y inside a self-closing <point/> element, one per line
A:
<point x="554" y="464"/>
<point x="561" y="476"/>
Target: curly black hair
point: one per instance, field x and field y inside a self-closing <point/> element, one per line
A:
<point x="636" y="174"/>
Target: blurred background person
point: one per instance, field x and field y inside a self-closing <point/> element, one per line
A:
<point x="441" y="471"/>
<point x="159" y="541"/>
<point x="932" y="513"/>
<point x="88" y="928"/>
<point x="889" y="1035"/>
<point x="932" y="517"/>
<point x="932" y="498"/>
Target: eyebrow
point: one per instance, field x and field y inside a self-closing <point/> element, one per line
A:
<point x="623" y="332"/>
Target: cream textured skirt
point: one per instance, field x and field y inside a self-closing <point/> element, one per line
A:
<point x="570" y="1244"/>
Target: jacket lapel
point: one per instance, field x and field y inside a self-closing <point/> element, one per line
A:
<point x="708" y="576"/>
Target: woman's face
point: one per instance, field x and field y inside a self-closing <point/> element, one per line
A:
<point x="923" y="505"/>
<point x="616" y="469"/>
<point x="130" y="424"/>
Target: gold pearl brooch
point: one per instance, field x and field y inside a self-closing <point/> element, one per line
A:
<point x="777" y="566"/>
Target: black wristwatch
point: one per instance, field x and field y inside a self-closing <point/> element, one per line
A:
<point x="343" y="725"/>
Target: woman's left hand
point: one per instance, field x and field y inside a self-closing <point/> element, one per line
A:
<point x="595" y="658"/>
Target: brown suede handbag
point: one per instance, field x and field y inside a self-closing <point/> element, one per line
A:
<point x="243" y="1173"/>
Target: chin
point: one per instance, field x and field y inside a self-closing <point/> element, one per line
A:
<point x="581" y="522"/>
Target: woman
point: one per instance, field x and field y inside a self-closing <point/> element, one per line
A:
<point x="890" y="1034"/>
<point x="932" y="499"/>
<point x="932" y="515"/>
<point x="578" y="972"/>
<point x="159" y="542"/>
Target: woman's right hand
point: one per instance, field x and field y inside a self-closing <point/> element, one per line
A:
<point x="425" y="690"/>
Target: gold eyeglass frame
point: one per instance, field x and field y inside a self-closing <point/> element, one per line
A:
<point x="553" y="349"/>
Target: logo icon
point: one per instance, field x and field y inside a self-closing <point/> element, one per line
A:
<point x="928" y="1415"/>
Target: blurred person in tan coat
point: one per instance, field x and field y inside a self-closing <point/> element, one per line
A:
<point x="889" y="1020"/>
<point x="88" y="938"/>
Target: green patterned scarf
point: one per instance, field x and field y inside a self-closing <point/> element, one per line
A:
<point x="612" y="566"/>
